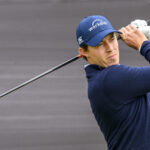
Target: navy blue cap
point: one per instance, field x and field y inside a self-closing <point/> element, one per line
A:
<point x="92" y="29"/>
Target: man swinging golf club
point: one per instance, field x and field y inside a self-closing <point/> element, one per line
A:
<point x="119" y="95"/>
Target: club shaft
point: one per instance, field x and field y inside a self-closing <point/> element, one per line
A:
<point x="40" y="76"/>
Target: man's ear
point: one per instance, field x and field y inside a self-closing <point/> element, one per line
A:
<point x="83" y="52"/>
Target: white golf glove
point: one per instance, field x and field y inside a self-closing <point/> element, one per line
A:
<point x="142" y="26"/>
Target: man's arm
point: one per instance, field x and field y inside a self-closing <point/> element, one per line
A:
<point x="128" y="82"/>
<point x="123" y="83"/>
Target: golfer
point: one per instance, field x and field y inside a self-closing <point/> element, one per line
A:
<point x="119" y="95"/>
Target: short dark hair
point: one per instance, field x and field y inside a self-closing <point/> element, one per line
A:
<point x="85" y="47"/>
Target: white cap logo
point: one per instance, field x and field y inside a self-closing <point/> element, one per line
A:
<point x="80" y="40"/>
<point x="96" y="23"/>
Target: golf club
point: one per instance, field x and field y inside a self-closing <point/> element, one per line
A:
<point x="47" y="72"/>
<point x="40" y="75"/>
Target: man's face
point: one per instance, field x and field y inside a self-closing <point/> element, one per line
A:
<point x="106" y="53"/>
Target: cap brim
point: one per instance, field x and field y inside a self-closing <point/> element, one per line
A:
<point x="99" y="37"/>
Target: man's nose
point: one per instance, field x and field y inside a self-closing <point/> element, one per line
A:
<point x="109" y="46"/>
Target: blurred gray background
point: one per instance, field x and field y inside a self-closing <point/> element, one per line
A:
<point x="53" y="113"/>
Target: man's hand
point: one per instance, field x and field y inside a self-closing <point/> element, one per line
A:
<point x="132" y="36"/>
<point x="142" y="26"/>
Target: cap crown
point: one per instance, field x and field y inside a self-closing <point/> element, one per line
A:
<point x="91" y="26"/>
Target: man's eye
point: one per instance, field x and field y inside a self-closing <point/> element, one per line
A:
<point x="100" y="44"/>
<point x="113" y="38"/>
